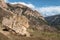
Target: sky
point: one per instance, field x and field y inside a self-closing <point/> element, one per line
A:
<point x="45" y="7"/>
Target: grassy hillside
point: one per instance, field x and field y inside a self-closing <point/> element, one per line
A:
<point x="37" y="36"/>
<point x="3" y="37"/>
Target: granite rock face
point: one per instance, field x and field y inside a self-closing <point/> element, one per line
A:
<point x="18" y="24"/>
<point x="34" y="17"/>
<point x="14" y="22"/>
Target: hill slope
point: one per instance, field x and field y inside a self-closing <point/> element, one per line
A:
<point x="35" y="19"/>
<point x="21" y="20"/>
<point x="54" y="21"/>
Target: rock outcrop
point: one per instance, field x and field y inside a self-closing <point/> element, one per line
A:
<point x="14" y="22"/>
<point x="35" y="18"/>
<point x="18" y="24"/>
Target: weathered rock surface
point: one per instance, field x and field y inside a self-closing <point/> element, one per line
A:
<point x="19" y="24"/>
<point x="35" y="18"/>
<point x="14" y="22"/>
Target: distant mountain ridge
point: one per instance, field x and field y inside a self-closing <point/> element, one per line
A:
<point x="54" y="20"/>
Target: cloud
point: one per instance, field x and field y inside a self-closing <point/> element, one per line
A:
<point x="6" y="1"/>
<point x="45" y="11"/>
<point x="49" y="11"/>
<point x="26" y="4"/>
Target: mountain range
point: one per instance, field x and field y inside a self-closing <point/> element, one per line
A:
<point x="54" y="20"/>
